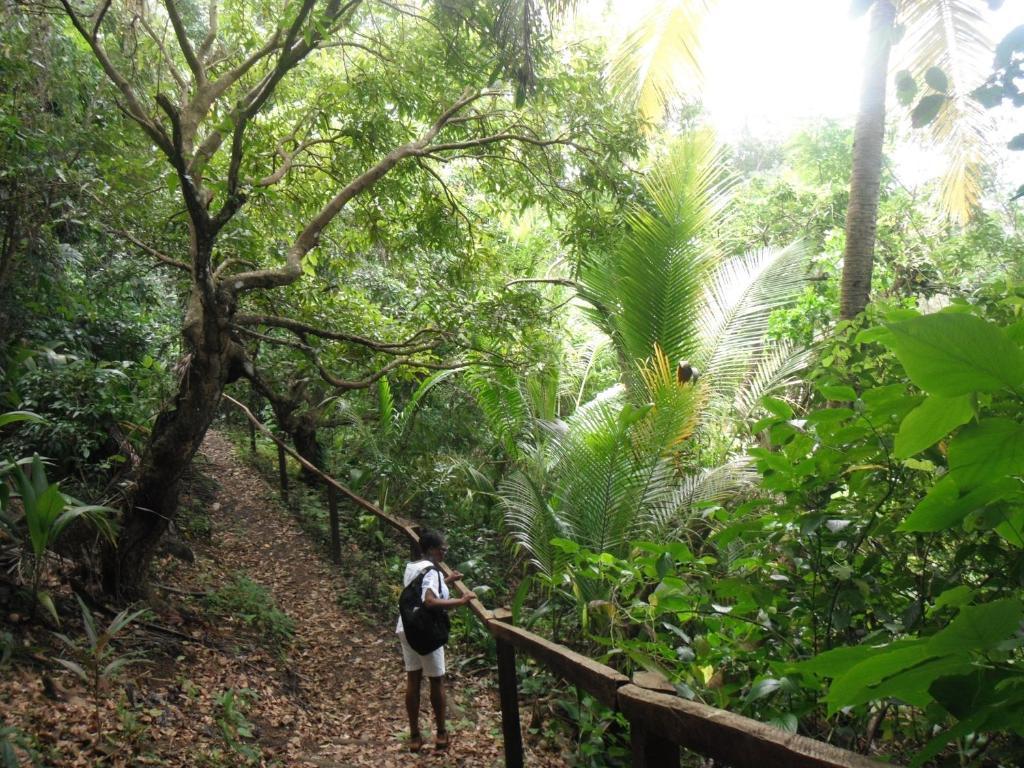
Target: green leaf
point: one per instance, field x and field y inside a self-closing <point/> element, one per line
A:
<point x="979" y="627"/>
<point x="855" y="685"/>
<point x="780" y="408"/>
<point x="870" y="335"/>
<point x="913" y="685"/>
<point x="927" y="110"/>
<point x="937" y="79"/>
<point x="520" y="597"/>
<point x="836" y="662"/>
<point x="46" y="601"/>
<point x="839" y="393"/>
<point x="1012" y="528"/>
<point x="989" y="96"/>
<point x="13" y="416"/>
<point x="76" y="668"/>
<point x="963" y="695"/>
<point x="952" y="598"/>
<point x="939" y="742"/>
<point x="952" y="354"/>
<point x="944" y="507"/>
<point x="986" y="451"/>
<point x="935" y="418"/>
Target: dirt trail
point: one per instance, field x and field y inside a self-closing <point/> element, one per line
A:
<point x="338" y="699"/>
<point x="334" y="700"/>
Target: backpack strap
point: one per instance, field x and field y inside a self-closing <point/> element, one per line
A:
<point x="440" y="579"/>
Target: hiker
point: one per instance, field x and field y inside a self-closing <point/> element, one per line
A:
<point x="435" y="594"/>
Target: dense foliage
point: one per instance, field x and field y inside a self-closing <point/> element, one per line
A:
<point x="604" y="358"/>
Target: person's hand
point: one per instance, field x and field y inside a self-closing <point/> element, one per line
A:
<point x="468" y="596"/>
<point x="456" y="575"/>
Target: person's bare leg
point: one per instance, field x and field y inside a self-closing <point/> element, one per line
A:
<point x="437" y="701"/>
<point x="412" y="707"/>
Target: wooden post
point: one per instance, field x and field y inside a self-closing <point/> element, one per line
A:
<point x="650" y="748"/>
<point x="282" y="465"/>
<point x="332" y="507"/>
<point x="252" y="437"/>
<point x="508" y="693"/>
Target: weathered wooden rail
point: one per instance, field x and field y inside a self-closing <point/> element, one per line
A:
<point x="660" y="721"/>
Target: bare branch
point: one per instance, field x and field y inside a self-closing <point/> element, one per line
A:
<point x="565" y="283"/>
<point x="183" y="42"/>
<point x="211" y="35"/>
<point x="273" y="339"/>
<point x="482" y="141"/>
<point x="455" y="206"/>
<point x="288" y="161"/>
<point x="132" y="107"/>
<point x="98" y="17"/>
<point x="223" y="267"/>
<point x="150" y="250"/>
<point x="407" y="346"/>
<point x="373" y="378"/>
<point x="171" y="66"/>
<point x="349" y="44"/>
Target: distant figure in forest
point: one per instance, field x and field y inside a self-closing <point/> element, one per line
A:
<point x="434" y="595"/>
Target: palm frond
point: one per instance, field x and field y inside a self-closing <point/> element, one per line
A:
<point x="646" y="292"/>
<point x="660" y="57"/>
<point x="738" y="303"/>
<point x="530" y="520"/>
<point x="776" y="371"/>
<point x="952" y="35"/>
<point x="497" y="393"/>
<point x="713" y="485"/>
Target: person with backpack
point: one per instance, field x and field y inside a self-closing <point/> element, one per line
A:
<point x="423" y="625"/>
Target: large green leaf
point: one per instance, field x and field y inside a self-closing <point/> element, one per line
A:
<point x="952" y="354"/>
<point x="856" y="683"/>
<point x="12" y="416"/>
<point x="979" y="627"/>
<point x="986" y="451"/>
<point x="944" y="506"/>
<point x="935" y="418"/>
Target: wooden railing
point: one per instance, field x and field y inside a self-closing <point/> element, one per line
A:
<point x="660" y="721"/>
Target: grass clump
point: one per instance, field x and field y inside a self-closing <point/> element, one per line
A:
<point x="251" y="603"/>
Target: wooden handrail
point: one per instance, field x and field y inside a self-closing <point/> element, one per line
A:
<point x="405" y="527"/>
<point x="655" y="717"/>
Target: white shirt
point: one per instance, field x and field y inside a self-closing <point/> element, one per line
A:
<point x="431" y="581"/>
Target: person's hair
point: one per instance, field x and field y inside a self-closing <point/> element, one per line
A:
<point x="430" y="539"/>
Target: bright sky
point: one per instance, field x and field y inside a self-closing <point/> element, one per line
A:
<point x="773" y="66"/>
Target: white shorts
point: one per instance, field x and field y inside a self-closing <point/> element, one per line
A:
<point x="432" y="664"/>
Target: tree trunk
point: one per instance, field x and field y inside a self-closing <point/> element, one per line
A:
<point x="865" y="184"/>
<point x="308" y="447"/>
<point x="176" y="436"/>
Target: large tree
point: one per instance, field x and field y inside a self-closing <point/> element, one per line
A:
<point x="240" y="102"/>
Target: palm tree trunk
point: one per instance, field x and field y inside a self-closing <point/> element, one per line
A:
<point x="862" y="213"/>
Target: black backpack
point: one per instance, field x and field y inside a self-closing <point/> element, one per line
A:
<point x="426" y="629"/>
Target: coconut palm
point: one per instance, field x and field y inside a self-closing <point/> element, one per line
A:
<point x="947" y="39"/>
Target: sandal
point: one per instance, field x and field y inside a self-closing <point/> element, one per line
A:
<point x="441" y="740"/>
<point x="415" y="743"/>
